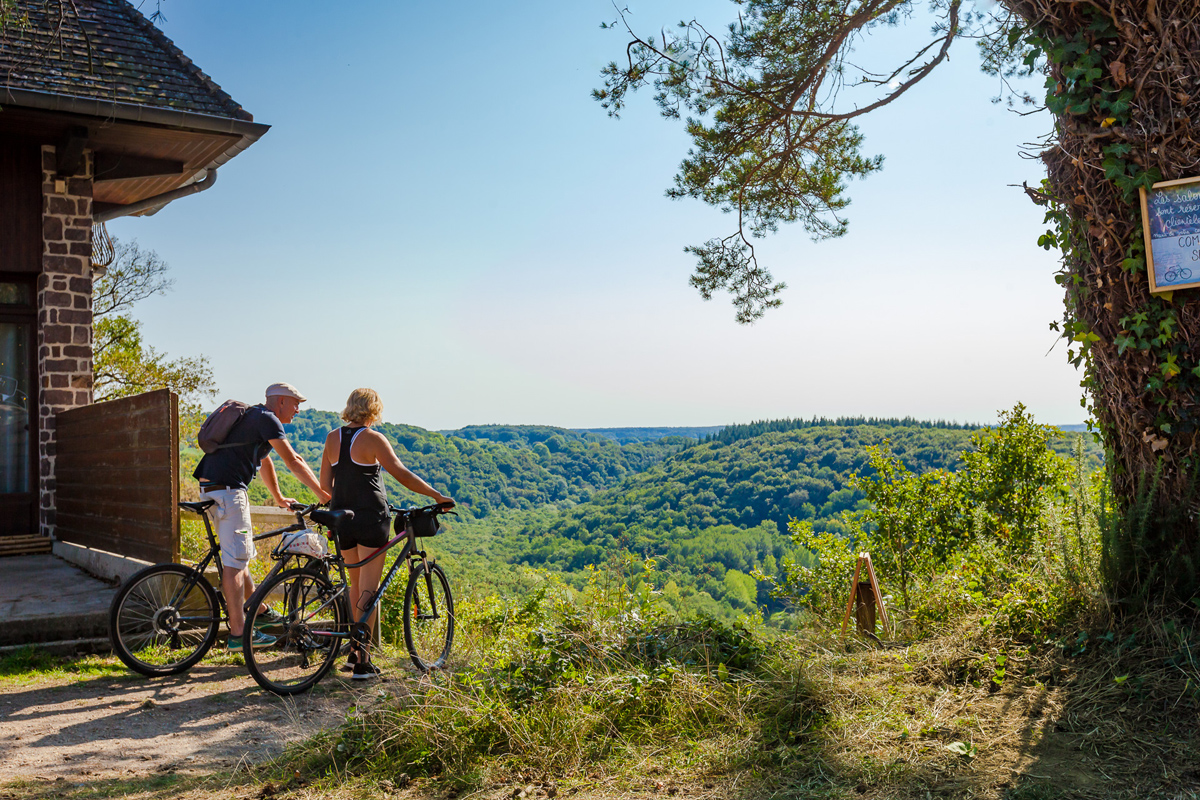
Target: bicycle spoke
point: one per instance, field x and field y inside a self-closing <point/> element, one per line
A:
<point x="308" y="639"/>
<point x="428" y="618"/>
<point x="164" y="620"/>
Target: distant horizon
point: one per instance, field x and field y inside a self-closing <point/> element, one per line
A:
<point x="1070" y="426"/>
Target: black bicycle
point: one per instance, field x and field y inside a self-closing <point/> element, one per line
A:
<point x="315" y="604"/>
<point x="167" y="617"/>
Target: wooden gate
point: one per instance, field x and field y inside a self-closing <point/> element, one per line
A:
<point x="117" y="473"/>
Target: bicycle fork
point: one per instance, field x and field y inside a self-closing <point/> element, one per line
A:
<point x="433" y="612"/>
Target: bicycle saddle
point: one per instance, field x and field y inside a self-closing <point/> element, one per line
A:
<point x="197" y="508"/>
<point x="331" y="519"/>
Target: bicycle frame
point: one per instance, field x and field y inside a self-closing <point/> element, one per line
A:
<point x="214" y="547"/>
<point x="407" y="554"/>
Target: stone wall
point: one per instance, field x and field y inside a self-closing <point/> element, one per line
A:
<point x="64" y="301"/>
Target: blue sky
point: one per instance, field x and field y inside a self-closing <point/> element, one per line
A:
<point x="442" y="212"/>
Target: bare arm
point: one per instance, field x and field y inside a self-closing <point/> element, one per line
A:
<point x="382" y="450"/>
<point x="271" y="481"/>
<point x="326" y="464"/>
<point x="298" y="468"/>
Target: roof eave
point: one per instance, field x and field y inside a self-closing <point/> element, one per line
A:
<point x="248" y="131"/>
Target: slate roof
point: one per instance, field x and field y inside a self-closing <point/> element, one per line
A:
<point x="104" y="50"/>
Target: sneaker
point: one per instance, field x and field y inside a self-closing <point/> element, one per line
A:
<point x="257" y="641"/>
<point x="268" y="619"/>
<point x="365" y="671"/>
<point x="350" y="662"/>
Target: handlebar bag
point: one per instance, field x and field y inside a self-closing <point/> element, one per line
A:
<point x="423" y="523"/>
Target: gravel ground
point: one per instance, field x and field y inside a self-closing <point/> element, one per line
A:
<point x="209" y="719"/>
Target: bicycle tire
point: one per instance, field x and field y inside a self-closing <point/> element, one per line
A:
<point x="156" y="631"/>
<point x="428" y="626"/>
<point x="301" y="655"/>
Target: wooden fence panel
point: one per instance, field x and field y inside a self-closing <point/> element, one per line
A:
<point x="117" y="476"/>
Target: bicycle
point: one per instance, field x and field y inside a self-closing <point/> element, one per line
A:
<point x="165" y="618"/>
<point x="317" y="611"/>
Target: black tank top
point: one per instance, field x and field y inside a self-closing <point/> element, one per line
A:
<point x="358" y="487"/>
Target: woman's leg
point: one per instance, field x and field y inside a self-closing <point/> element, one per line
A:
<point x="365" y="583"/>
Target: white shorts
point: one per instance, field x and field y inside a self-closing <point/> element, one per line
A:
<point x="235" y="532"/>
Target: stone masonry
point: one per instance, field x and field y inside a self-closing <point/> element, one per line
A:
<point x="64" y="301"/>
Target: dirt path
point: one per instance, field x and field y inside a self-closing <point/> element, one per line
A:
<point x="124" y="724"/>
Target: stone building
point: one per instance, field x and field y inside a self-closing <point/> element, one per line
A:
<point x="101" y="116"/>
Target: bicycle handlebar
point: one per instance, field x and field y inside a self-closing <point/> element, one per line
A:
<point x="437" y="508"/>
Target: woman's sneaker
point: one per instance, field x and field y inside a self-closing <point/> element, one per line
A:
<point x="268" y="619"/>
<point x="258" y="640"/>
<point x="364" y="671"/>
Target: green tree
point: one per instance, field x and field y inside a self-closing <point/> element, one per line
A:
<point x="123" y="363"/>
<point x="915" y="519"/>
<point x="1011" y="473"/>
<point x="770" y="106"/>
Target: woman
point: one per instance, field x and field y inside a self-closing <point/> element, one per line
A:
<point x="351" y="470"/>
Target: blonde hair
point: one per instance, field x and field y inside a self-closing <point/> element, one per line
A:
<point x="363" y="407"/>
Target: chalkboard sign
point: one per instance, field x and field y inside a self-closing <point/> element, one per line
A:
<point x="1171" y="225"/>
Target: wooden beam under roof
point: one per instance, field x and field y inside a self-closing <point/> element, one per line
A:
<point x="127" y="166"/>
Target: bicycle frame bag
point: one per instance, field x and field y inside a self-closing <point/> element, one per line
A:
<point x="217" y="425"/>
<point x="303" y="543"/>
<point x="421" y="523"/>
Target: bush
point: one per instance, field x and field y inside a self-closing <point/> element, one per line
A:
<point x="1013" y="536"/>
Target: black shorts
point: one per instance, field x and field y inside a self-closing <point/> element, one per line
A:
<point x="364" y="534"/>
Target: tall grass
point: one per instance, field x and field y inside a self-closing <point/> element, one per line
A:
<point x="558" y="684"/>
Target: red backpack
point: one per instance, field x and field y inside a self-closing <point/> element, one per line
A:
<point x="217" y="425"/>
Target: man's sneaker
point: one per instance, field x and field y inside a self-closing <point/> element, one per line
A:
<point x="268" y="619"/>
<point x="257" y="640"/>
<point x="364" y="671"/>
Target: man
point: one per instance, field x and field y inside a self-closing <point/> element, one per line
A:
<point x="224" y="476"/>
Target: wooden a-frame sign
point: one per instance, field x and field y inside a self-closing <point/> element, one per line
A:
<point x="877" y="596"/>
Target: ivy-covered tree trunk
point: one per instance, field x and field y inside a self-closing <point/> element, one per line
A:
<point x="1123" y="84"/>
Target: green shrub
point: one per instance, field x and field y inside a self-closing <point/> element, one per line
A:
<point x="1013" y="537"/>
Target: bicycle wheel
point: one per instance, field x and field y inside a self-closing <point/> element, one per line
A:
<point x="308" y="641"/>
<point x="428" y="618"/>
<point x="164" y="619"/>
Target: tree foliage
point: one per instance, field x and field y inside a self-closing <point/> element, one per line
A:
<point x="123" y="363"/>
<point x="770" y="105"/>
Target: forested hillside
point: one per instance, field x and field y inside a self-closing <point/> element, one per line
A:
<point x="707" y="513"/>
<point x="715" y="512"/>
<point x="491" y="467"/>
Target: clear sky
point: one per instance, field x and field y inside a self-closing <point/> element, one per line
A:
<point x="443" y="213"/>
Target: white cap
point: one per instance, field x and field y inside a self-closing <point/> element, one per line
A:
<point x="285" y="390"/>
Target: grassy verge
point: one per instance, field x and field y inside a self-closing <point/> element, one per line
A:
<point x="31" y="665"/>
<point x="561" y="699"/>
